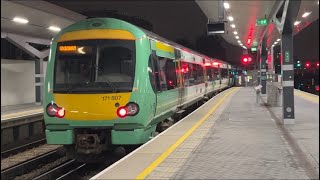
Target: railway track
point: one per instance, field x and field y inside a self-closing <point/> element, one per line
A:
<point x="22" y="148"/>
<point x="25" y="162"/>
<point x="21" y="131"/>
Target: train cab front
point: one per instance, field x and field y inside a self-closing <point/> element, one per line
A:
<point x="91" y="89"/>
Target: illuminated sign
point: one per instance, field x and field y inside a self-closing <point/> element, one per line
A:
<point x="261" y="22"/>
<point x="67" y="48"/>
<point x="253" y="49"/>
<point x="75" y="49"/>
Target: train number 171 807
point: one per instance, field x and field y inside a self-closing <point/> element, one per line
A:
<point x="112" y="98"/>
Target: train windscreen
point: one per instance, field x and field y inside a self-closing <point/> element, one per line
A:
<point x="94" y="66"/>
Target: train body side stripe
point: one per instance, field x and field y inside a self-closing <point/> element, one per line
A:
<point x="97" y="34"/>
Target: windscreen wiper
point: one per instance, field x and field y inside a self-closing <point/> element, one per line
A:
<point x="114" y="88"/>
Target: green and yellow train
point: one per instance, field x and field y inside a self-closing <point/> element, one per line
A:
<point x="110" y="83"/>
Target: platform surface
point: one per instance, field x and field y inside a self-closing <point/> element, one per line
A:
<point x="236" y="139"/>
<point x="13" y="111"/>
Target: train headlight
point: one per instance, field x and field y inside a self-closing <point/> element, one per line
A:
<point x="132" y="108"/>
<point x="122" y="112"/>
<point x="60" y="113"/>
<point x="54" y="110"/>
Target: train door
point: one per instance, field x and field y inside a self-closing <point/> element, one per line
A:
<point x="179" y="76"/>
<point x="220" y="78"/>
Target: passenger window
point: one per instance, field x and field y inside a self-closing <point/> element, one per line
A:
<point x="216" y="73"/>
<point x="192" y="74"/>
<point x="210" y="74"/>
<point x="224" y="73"/>
<point x="167" y="74"/>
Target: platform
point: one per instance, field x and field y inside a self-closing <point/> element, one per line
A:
<point x="21" y="110"/>
<point x="230" y="137"/>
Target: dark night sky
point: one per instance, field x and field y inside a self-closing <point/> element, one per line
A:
<point x="306" y="43"/>
<point x="171" y="19"/>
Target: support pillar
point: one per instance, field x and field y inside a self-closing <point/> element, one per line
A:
<point x="263" y="68"/>
<point x="39" y="80"/>
<point x="287" y="78"/>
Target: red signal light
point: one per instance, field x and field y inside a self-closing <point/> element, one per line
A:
<point x="307" y="64"/>
<point x="246" y="59"/>
<point x="131" y="109"/>
<point x="60" y="113"/>
<point x="122" y="112"/>
<point x="317" y="64"/>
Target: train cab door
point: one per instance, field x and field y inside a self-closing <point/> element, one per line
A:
<point x="167" y="91"/>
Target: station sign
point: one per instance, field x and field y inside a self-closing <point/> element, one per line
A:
<point x="262" y="22"/>
<point x="253" y="49"/>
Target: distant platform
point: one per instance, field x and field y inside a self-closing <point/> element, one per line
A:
<point x="15" y="111"/>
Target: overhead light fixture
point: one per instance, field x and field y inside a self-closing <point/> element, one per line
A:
<point x="278" y="40"/>
<point x="239" y="41"/>
<point x="275" y="43"/>
<point x="54" y="28"/>
<point x="306" y="14"/>
<point x="235" y="32"/>
<point x="237" y="37"/>
<point x="20" y="20"/>
<point x="272" y="45"/>
<point x="226" y="5"/>
<point x="230" y="18"/>
<point x="296" y="23"/>
<point x="233" y="25"/>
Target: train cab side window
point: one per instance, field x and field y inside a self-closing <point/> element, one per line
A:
<point x="154" y="73"/>
<point x="167" y="72"/>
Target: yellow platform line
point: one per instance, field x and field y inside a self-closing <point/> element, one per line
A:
<point x="307" y="96"/>
<point x="165" y="154"/>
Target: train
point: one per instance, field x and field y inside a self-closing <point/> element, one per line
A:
<point x="112" y="84"/>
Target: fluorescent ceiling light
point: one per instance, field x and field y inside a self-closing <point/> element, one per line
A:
<point x="233" y="25"/>
<point x="216" y="32"/>
<point x="230" y="18"/>
<point x="278" y="39"/>
<point x="54" y="28"/>
<point x="226" y="5"/>
<point x="239" y="41"/>
<point x="275" y="43"/>
<point x="20" y="20"/>
<point x="237" y="37"/>
<point x="297" y="22"/>
<point x="235" y="32"/>
<point x="306" y="14"/>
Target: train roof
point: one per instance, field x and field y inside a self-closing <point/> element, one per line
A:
<point x="159" y="38"/>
